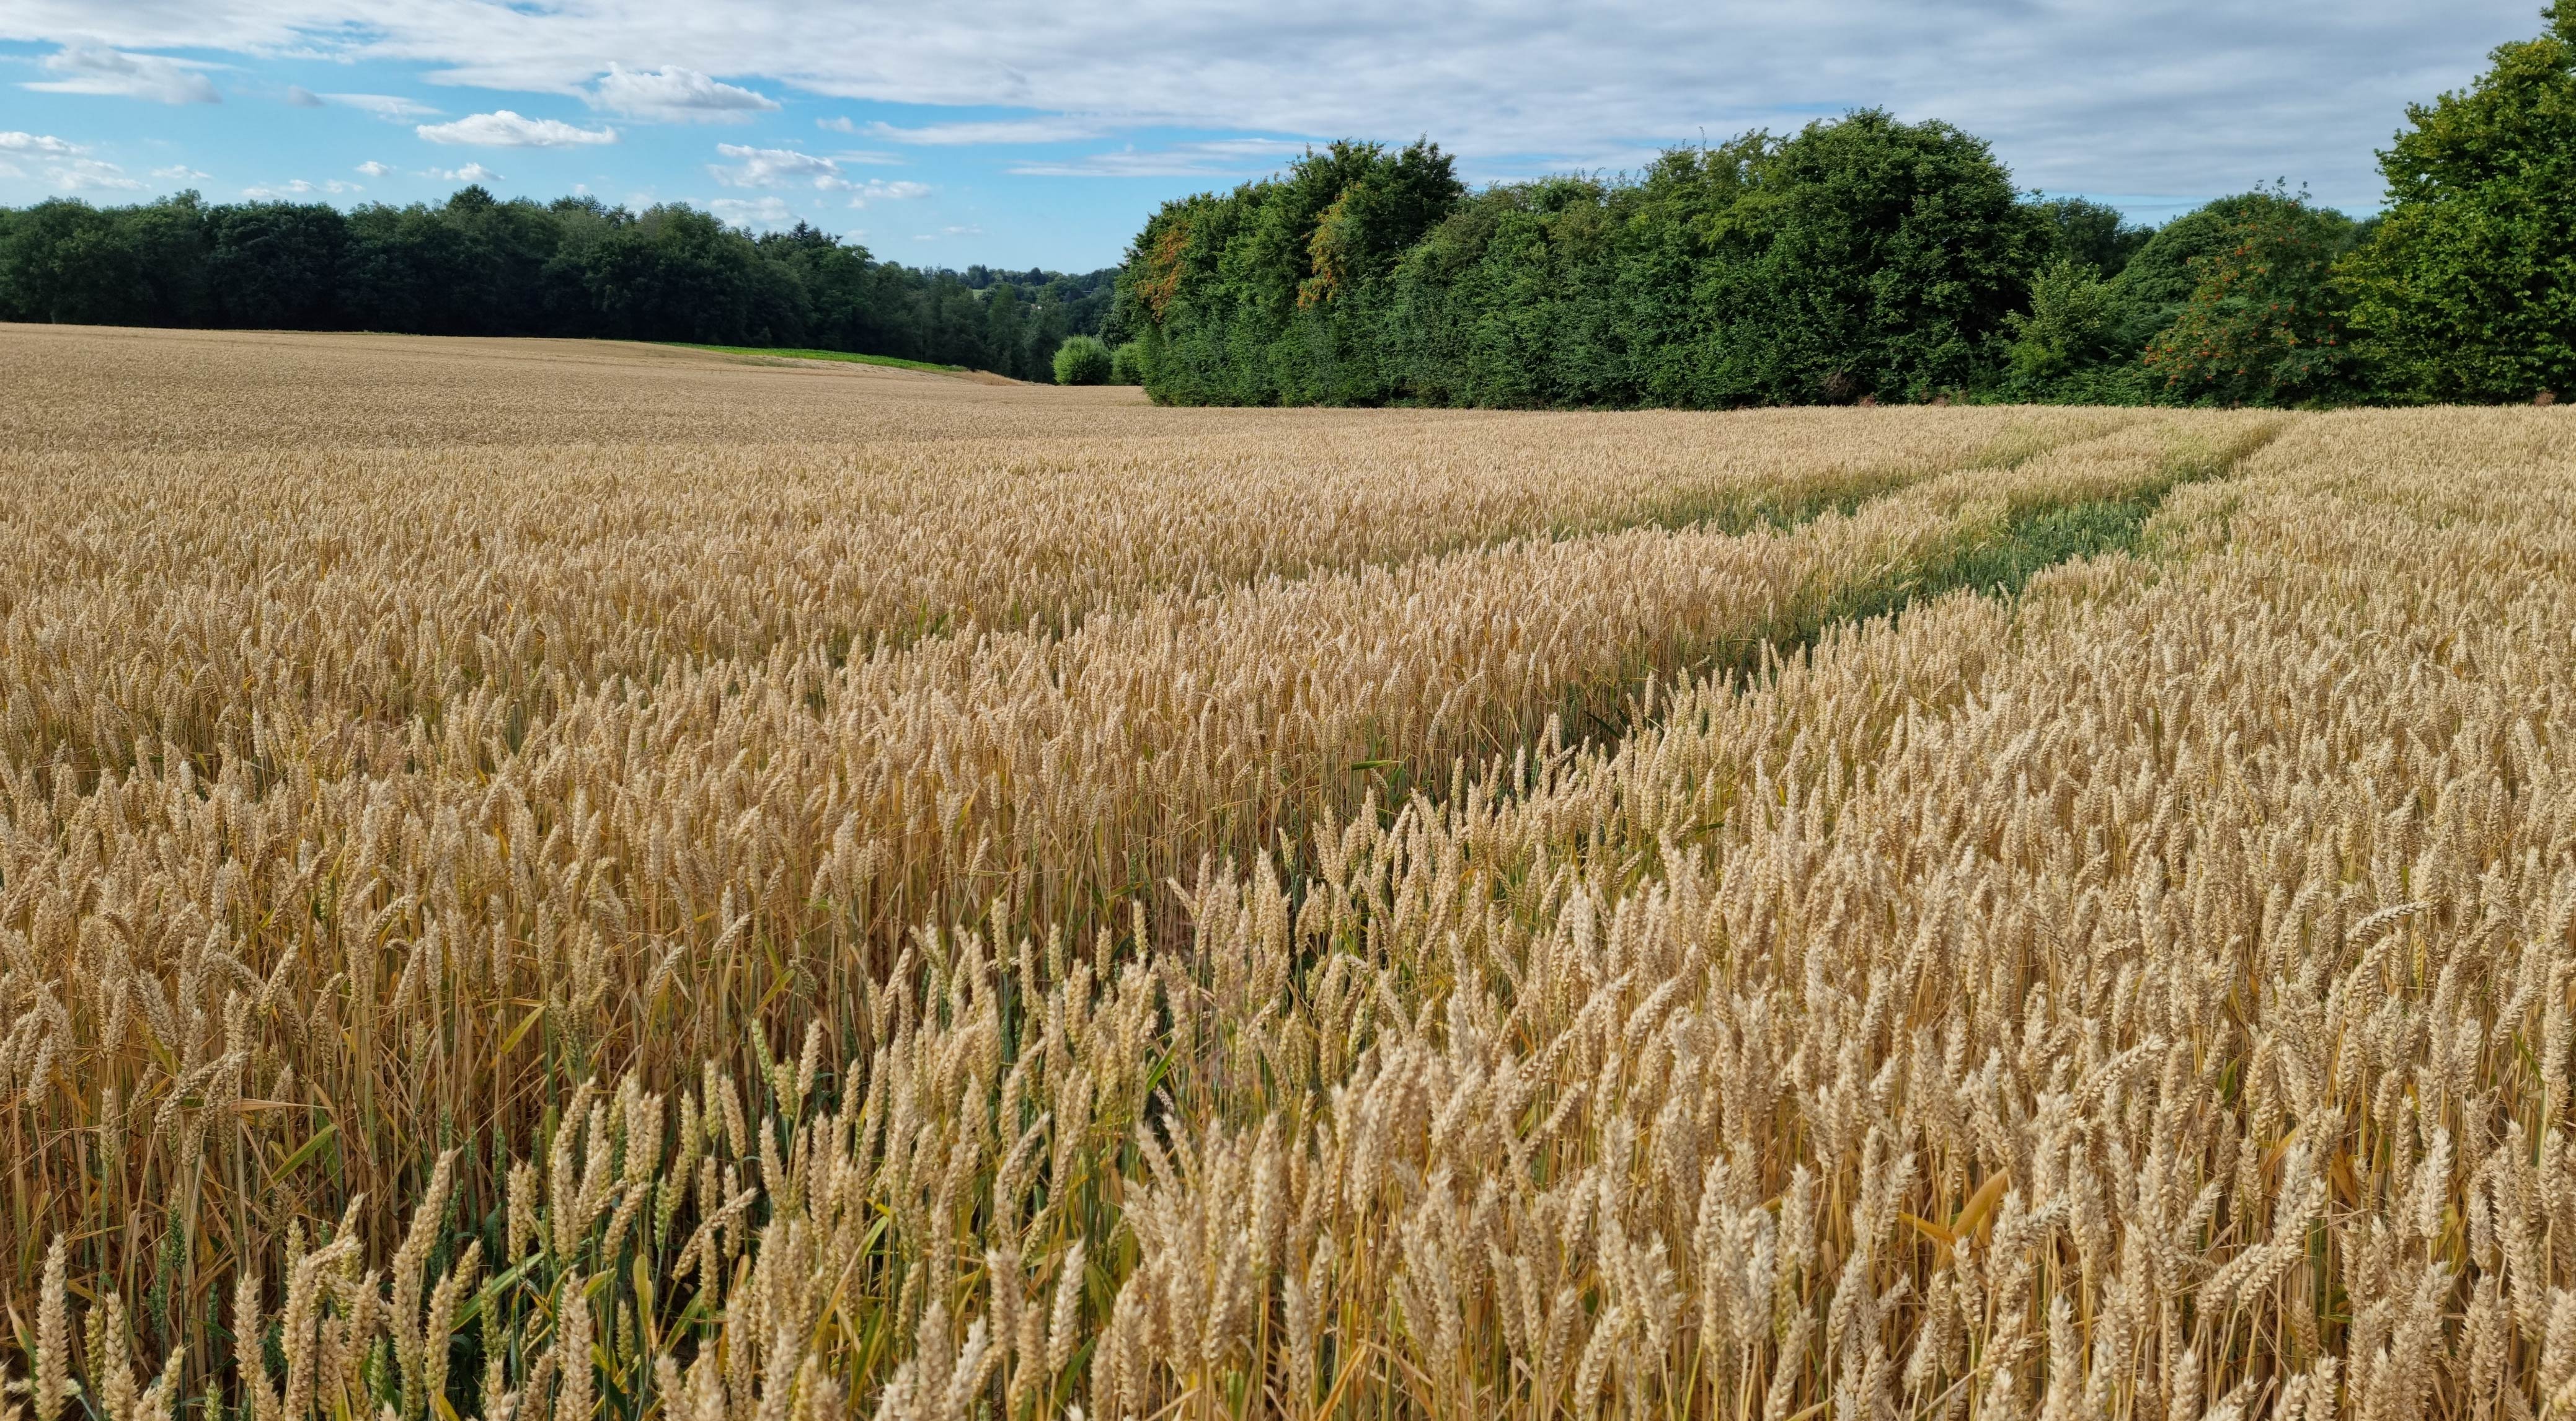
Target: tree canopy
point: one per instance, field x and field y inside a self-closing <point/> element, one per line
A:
<point x="1862" y="258"/>
<point x="476" y="265"/>
<point x="2468" y="289"/>
<point x="1867" y="257"/>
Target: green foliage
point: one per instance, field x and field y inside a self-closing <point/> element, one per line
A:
<point x="1271" y="294"/>
<point x="2468" y="289"/>
<point x="2264" y="323"/>
<point x="1515" y="301"/>
<point x="1868" y="257"/>
<point x="2160" y="279"/>
<point x="1863" y="257"/>
<point x="2243" y="281"/>
<point x="1127" y="363"/>
<point x="1082" y="360"/>
<point x="476" y="265"/>
<point x="2091" y="233"/>
<point x="2072" y="327"/>
<point x="64" y="260"/>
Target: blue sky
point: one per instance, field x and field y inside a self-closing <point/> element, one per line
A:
<point x="1021" y="133"/>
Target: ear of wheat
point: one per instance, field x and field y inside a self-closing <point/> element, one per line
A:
<point x="716" y="893"/>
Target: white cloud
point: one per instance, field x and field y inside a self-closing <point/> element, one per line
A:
<point x="676" y="94"/>
<point x="68" y="166"/>
<point x="300" y="188"/>
<point x="772" y="167"/>
<point x="504" y="129"/>
<point x="392" y="108"/>
<point x="948" y="232"/>
<point x="1221" y="158"/>
<point x="785" y="167"/>
<point x="302" y="98"/>
<point x="1067" y="129"/>
<point x="91" y="173"/>
<point x="45" y="143"/>
<point x="470" y="173"/>
<point x="752" y="212"/>
<point x="374" y="169"/>
<point x="84" y="174"/>
<point x="2077" y="97"/>
<point x="97" y="69"/>
<point x="844" y="125"/>
<point x="180" y="173"/>
<point x="874" y="191"/>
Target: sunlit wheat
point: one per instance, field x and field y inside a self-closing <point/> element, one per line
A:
<point x="937" y="900"/>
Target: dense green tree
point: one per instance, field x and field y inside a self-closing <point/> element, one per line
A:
<point x="2090" y="233"/>
<point x="1275" y="292"/>
<point x="1868" y="257"/>
<point x="2468" y="289"/>
<point x="2264" y="322"/>
<point x="1514" y="301"/>
<point x="1860" y="257"/>
<point x="168" y="243"/>
<point x="2070" y="330"/>
<point x="1083" y="360"/>
<point x="67" y="261"/>
<point x="2160" y="278"/>
<point x="477" y="265"/>
<point x="275" y="265"/>
<point x="2236" y="276"/>
<point x="473" y="266"/>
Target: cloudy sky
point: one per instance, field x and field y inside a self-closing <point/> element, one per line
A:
<point x="1023" y="133"/>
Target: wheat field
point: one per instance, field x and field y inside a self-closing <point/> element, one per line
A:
<point x="546" y="881"/>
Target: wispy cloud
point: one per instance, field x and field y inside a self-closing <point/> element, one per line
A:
<point x="770" y="167"/>
<point x="97" y="69"/>
<point x="2311" y="86"/>
<point x="302" y="98"/>
<point x="299" y="188"/>
<point x="872" y="191"/>
<point x="470" y="173"/>
<point x="676" y="94"/>
<point x="1219" y="158"/>
<point x="752" y="212"/>
<point x="786" y="167"/>
<point x="66" y="165"/>
<point x="503" y="129"/>
<point x="77" y="174"/>
<point x="39" y="143"/>
<point x="374" y="169"/>
<point x="1065" y="129"/>
<point x="180" y="173"/>
<point x="845" y="125"/>
<point x="390" y="107"/>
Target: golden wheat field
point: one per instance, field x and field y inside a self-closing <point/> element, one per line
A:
<point x="546" y="882"/>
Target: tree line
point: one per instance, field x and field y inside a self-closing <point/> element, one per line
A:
<point x="476" y="265"/>
<point x="1866" y="258"/>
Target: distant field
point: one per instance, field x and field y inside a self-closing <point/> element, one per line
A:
<point x="852" y="357"/>
<point x="554" y="879"/>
